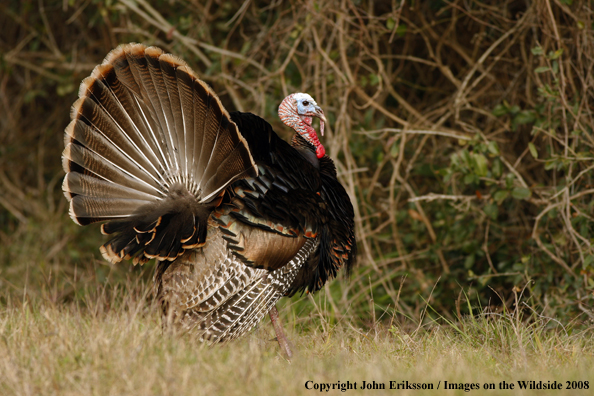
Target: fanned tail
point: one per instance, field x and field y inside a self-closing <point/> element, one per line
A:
<point x="150" y="149"/>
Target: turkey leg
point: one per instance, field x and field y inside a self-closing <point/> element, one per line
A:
<point x="283" y="343"/>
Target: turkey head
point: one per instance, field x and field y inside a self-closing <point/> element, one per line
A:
<point x="296" y="111"/>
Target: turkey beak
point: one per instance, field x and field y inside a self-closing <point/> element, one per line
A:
<point x="320" y="114"/>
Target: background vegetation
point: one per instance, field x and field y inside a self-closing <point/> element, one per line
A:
<point x="461" y="129"/>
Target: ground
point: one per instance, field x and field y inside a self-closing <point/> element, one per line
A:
<point x="111" y="342"/>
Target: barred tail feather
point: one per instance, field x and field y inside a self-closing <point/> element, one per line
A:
<point x="150" y="148"/>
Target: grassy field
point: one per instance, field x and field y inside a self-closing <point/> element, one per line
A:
<point x="110" y="342"/>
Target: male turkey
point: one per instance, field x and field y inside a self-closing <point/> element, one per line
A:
<point x="235" y="216"/>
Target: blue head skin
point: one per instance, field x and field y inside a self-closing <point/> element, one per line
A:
<point x="308" y="108"/>
<point x="296" y="111"/>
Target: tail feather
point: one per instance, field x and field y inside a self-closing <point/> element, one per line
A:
<point x="223" y="161"/>
<point x="84" y="135"/>
<point x="96" y="207"/>
<point x="150" y="148"/>
<point x="119" y="106"/>
<point x="163" y="105"/>
<point x="145" y="130"/>
<point x="137" y="58"/>
<point x="80" y="184"/>
<point x="186" y="97"/>
<point x="168" y="64"/>
<point x="208" y="119"/>
<point x="96" y="165"/>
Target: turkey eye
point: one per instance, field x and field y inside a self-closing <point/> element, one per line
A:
<point x="305" y="103"/>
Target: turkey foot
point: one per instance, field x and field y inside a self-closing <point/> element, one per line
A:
<point x="283" y="343"/>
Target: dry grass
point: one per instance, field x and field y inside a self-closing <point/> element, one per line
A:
<point x="113" y="344"/>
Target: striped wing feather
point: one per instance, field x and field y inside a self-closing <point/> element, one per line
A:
<point x="213" y="294"/>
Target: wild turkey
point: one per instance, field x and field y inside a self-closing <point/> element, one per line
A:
<point x="235" y="216"/>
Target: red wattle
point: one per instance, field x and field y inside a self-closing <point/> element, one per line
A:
<point x="320" y="151"/>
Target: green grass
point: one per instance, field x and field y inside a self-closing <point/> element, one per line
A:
<point x="110" y="341"/>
